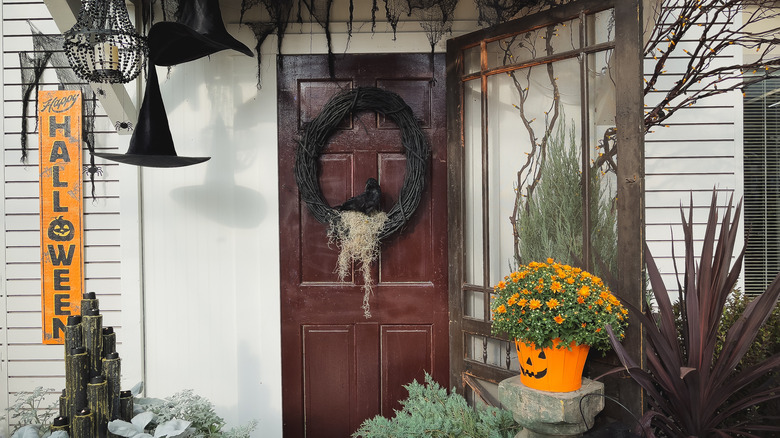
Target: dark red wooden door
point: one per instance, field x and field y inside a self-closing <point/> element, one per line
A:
<point x="339" y="368"/>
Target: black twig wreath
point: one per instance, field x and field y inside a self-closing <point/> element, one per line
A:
<point x="315" y="138"/>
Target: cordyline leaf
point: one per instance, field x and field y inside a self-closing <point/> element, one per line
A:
<point x="686" y="383"/>
<point x="668" y="327"/>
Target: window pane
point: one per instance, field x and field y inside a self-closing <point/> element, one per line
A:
<point x="474" y="305"/>
<point x="603" y="160"/>
<point x="535" y="155"/>
<point x="538" y="43"/>
<point x="601" y="27"/>
<point x="471" y="62"/>
<point x="473" y="183"/>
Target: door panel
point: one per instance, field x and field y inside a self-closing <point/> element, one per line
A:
<point x="340" y="368"/>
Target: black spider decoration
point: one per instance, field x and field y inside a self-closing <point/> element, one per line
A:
<point x="123" y="125"/>
<point x="93" y="170"/>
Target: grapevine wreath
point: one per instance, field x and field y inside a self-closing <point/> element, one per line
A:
<point x="359" y="234"/>
<point x="315" y="137"/>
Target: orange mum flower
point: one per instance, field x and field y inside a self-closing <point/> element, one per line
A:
<point x="559" y="319"/>
<point x="552" y="303"/>
<point x="549" y="260"/>
<point x="556" y="286"/>
<point x="581" y="300"/>
<point x="522" y="302"/>
<point x="501" y="309"/>
<point x="501" y="285"/>
<point x="584" y="291"/>
<point x="535" y="304"/>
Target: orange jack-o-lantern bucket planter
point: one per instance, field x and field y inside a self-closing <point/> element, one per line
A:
<point x="552" y="369"/>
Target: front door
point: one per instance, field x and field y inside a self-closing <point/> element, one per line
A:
<point x="339" y="367"/>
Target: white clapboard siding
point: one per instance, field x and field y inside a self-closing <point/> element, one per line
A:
<point x="699" y="149"/>
<point x="26" y="362"/>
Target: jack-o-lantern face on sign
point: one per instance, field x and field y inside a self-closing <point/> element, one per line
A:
<point x="60" y="230"/>
<point x="535" y="367"/>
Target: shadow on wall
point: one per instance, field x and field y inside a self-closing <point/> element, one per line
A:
<point x="219" y="198"/>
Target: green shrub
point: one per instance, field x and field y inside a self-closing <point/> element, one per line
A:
<point x="431" y="412"/>
<point x="766" y="344"/>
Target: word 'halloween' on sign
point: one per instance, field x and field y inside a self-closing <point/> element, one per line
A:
<point x="59" y="123"/>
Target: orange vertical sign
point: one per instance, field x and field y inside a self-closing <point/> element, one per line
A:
<point x="59" y="124"/>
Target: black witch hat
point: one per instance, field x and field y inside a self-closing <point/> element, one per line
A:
<point x="199" y="31"/>
<point x="152" y="143"/>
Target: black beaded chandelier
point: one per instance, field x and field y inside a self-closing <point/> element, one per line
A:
<point x="103" y="45"/>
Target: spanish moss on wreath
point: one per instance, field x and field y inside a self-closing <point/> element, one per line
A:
<point x="314" y="140"/>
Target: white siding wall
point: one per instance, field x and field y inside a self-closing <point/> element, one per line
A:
<point x="699" y="149"/>
<point x="26" y="363"/>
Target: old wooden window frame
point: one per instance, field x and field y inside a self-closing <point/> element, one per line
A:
<point x="630" y="181"/>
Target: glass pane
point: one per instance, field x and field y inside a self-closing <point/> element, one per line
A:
<point x="534" y="154"/>
<point x="474" y="305"/>
<point x="475" y="347"/>
<point x="601" y="27"/>
<point x="472" y="185"/>
<point x="533" y="44"/>
<point x="471" y="62"/>
<point x="497" y="353"/>
<point x="603" y="159"/>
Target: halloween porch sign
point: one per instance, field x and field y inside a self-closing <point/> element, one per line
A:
<point x="59" y="121"/>
<point x="358" y="231"/>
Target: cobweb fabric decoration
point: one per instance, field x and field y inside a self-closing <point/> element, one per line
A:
<point x="492" y="12"/>
<point x="279" y="13"/>
<point x="32" y="69"/>
<point x="393" y="11"/>
<point x="320" y="10"/>
<point x="435" y="18"/>
<point x="47" y="49"/>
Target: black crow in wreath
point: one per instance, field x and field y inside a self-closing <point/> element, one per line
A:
<point x="366" y="202"/>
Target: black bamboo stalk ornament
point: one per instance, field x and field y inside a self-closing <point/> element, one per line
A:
<point x="64" y="396"/>
<point x="89" y="301"/>
<point x="97" y="400"/>
<point x="92" y="396"/>
<point x="112" y="374"/>
<point x="126" y="405"/>
<point x="73" y="337"/>
<point x="77" y="376"/>
<point x="92" y="327"/>
<point x="83" y="424"/>
<point x="60" y="423"/>
<point x="109" y="341"/>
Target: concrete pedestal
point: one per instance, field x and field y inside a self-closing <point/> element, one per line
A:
<point x="552" y="414"/>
